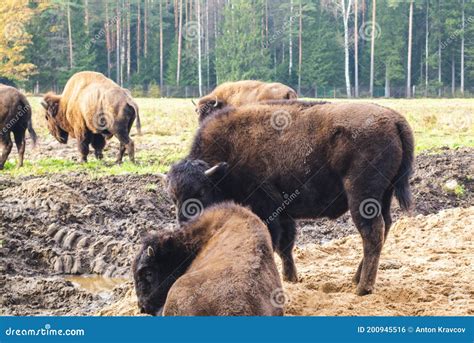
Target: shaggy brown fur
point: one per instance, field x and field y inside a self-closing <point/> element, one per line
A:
<point x="15" y="116"/>
<point x="220" y="264"/>
<point x="92" y="108"/>
<point x="240" y="93"/>
<point x="299" y="160"/>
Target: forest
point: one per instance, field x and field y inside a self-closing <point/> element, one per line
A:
<point x="183" y="48"/>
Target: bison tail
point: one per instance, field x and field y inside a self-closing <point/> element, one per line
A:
<point x="139" y="124"/>
<point x="32" y="133"/>
<point x="401" y="180"/>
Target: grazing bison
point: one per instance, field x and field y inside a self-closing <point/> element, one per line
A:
<point x="218" y="264"/>
<point x="241" y="93"/>
<point x="92" y="108"/>
<point x="15" y="116"/>
<point x="289" y="160"/>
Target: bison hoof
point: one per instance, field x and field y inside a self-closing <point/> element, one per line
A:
<point x="291" y="277"/>
<point x="364" y="290"/>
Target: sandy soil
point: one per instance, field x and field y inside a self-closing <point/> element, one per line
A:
<point x="62" y="225"/>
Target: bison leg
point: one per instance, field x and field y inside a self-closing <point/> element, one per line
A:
<point x="126" y="144"/>
<point x="20" y="145"/>
<point x="285" y="248"/>
<point x="83" y="146"/>
<point x="387" y="218"/>
<point x="98" y="143"/>
<point x="6" y="143"/>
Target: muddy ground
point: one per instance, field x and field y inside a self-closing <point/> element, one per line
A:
<point x="59" y="226"/>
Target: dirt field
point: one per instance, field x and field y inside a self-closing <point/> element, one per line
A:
<point x="57" y="226"/>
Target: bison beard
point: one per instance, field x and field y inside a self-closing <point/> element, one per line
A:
<point x="338" y="157"/>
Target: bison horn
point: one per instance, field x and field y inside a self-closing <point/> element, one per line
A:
<point x="150" y="252"/>
<point x="161" y="176"/>
<point x="216" y="103"/>
<point x="193" y="103"/>
<point x="211" y="170"/>
<point x="44" y="104"/>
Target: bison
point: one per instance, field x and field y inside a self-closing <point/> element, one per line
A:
<point x="292" y="159"/>
<point x="15" y="116"/>
<point x="92" y="108"/>
<point x="218" y="264"/>
<point x="241" y="93"/>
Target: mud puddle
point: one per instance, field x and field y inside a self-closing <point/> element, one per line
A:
<point x="96" y="284"/>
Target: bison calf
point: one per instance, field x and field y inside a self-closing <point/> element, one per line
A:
<point x="92" y="108"/>
<point x="293" y="159"/>
<point x="241" y="93"/>
<point x="219" y="264"/>
<point x="15" y="117"/>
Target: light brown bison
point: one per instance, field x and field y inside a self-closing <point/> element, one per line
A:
<point x="303" y="160"/>
<point x="92" y="108"/>
<point x="218" y="264"/>
<point x="15" y="116"/>
<point x="241" y="93"/>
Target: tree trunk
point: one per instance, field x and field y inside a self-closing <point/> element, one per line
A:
<point x="180" y="33"/>
<point x="410" y="38"/>
<point x="161" y="44"/>
<point x="387" y="82"/>
<point x="86" y="16"/>
<point x="139" y="24"/>
<point x="427" y="34"/>
<point x="356" y="50"/>
<point x="290" y="44"/>
<point x="69" y="30"/>
<point x="145" y="29"/>
<point x="122" y="44"/>
<point x="107" y="37"/>
<point x="372" y="49"/>
<point x="207" y="46"/>
<point x="453" y="75"/>
<point x="198" y="15"/>
<point x="128" y="42"/>
<point x="439" y="66"/>
<point x="300" y="47"/>
<point x="117" y="45"/>
<point x="345" y="17"/>
<point x="462" y="48"/>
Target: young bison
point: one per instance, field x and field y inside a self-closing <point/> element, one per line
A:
<point x="92" y="108"/>
<point x="218" y="264"/>
<point x="15" y="116"/>
<point x="289" y="160"/>
<point x="241" y="93"/>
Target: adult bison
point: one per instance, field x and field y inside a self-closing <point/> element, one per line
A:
<point x="218" y="264"/>
<point x="289" y="160"/>
<point x="15" y="116"/>
<point x="241" y="93"/>
<point x="92" y="108"/>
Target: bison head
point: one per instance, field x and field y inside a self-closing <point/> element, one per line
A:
<point x="50" y="104"/>
<point x="163" y="257"/>
<point x="194" y="185"/>
<point x="208" y="105"/>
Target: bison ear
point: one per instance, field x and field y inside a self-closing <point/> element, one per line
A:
<point x="218" y="171"/>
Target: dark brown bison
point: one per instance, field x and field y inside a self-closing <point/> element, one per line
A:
<point x="15" y="116"/>
<point x="218" y="264"/>
<point x="92" y="108"/>
<point x="289" y="160"/>
<point x="241" y="93"/>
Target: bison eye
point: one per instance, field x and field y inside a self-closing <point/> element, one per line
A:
<point x="147" y="275"/>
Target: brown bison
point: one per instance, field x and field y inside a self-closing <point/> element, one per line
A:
<point x="15" y="116"/>
<point x="241" y="93"/>
<point x="92" y="108"/>
<point x="218" y="264"/>
<point x="303" y="160"/>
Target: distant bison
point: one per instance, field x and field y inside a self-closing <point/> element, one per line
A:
<point x="219" y="264"/>
<point x="15" y="116"/>
<point x="303" y="160"/>
<point x="241" y="93"/>
<point x="92" y="108"/>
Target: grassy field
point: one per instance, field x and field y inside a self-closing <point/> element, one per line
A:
<point x="168" y="126"/>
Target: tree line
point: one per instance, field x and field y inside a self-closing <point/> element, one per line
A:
<point x="354" y="47"/>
